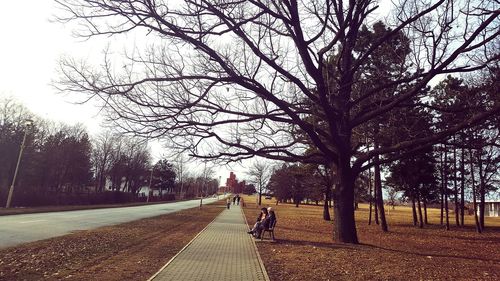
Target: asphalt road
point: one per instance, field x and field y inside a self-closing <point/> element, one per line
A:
<point x="18" y="229"/>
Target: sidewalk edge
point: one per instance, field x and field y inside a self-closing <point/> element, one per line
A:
<point x="184" y="248"/>
<point x="261" y="263"/>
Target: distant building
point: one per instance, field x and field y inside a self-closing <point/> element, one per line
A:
<point x="492" y="208"/>
<point x="145" y="191"/>
<point x="231" y="182"/>
<point x="233" y="185"/>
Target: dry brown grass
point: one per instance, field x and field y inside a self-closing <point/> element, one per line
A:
<point x="305" y="250"/>
<point x="130" y="251"/>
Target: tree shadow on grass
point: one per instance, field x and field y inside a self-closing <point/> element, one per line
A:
<point x="494" y="240"/>
<point x="309" y="230"/>
<point x="361" y="246"/>
<point x="434" y="255"/>
<point x="453" y="227"/>
<point x="452" y="233"/>
<point x="318" y="244"/>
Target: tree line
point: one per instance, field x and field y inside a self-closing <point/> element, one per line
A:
<point x="62" y="164"/>
<point x="318" y="82"/>
<point x="455" y="174"/>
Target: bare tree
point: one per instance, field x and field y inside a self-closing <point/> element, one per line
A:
<point x="180" y="166"/>
<point x="392" y="197"/>
<point x="234" y="79"/>
<point x="259" y="174"/>
<point x="12" y="116"/>
<point x="204" y="186"/>
<point x="137" y="159"/>
<point x="102" y="157"/>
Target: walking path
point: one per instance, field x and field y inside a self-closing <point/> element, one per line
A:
<point x="222" y="251"/>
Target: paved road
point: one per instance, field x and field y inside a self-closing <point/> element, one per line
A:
<point x="18" y="229"/>
<point x="221" y="252"/>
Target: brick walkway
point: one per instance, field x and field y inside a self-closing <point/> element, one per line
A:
<point x="222" y="251"/>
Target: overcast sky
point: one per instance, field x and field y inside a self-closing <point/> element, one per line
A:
<point x="29" y="50"/>
<point x="30" y="47"/>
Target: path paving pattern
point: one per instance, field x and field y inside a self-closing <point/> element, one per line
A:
<point x="223" y="251"/>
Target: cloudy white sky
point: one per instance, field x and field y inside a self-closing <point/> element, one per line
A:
<point x="30" y="47"/>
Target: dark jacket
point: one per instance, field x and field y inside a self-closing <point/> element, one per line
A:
<point x="270" y="219"/>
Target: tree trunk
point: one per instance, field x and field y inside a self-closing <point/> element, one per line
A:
<point x="482" y="190"/>
<point x="421" y="220"/>
<point x="413" y="210"/>
<point x="445" y="189"/>
<point x="326" y="211"/>
<point x="344" y="225"/>
<point x="462" y="188"/>
<point x="370" y="195"/>
<point x="442" y="186"/>
<point x="425" y="210"/>
<point x="455" y="185"/>
<point x="370" y="214"/>
<point x="441" y="219"/>
<point x="375" y="195"/>
<point x="380" y="197"/>
<point x="447" y="213"/>
<point x="260" y="194"/>
<point x="474" y="202"/>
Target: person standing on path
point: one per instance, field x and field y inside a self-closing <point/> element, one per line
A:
<point x="238" y="199"/>
<point x="228" y="202"/>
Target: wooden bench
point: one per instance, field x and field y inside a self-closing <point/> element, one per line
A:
<point x="270" y="229"/>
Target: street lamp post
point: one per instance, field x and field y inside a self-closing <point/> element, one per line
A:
<point x="218" y="186"/>
<point x="181" y="195"/>
<point x="27" y="123"/>
<point x="204" y="182"/>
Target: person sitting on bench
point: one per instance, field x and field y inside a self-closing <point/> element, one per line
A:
<point x="260" y="224"/>
<point x="269" y="224"/>
<point x="271" y="219"/>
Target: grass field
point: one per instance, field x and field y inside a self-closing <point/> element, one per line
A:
<point x="305" y="249"/>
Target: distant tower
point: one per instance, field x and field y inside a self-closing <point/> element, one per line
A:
<point x="232" y="183"/>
